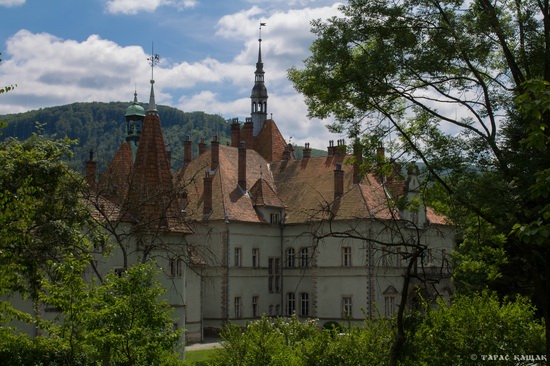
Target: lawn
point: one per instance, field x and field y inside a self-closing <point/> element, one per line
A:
<point x="199" y="357"/>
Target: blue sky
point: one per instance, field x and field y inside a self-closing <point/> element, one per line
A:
<point x="65" y="51"/>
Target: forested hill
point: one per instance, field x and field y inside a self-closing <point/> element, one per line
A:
<point x="101" y="127"/>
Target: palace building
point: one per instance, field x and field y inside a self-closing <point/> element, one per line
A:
<point x="245" y="229"/>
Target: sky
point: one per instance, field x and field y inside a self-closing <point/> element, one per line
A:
<point x="64" y="51"/>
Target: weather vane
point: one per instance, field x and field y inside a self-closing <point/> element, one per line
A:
<point x="261" y="25"/>
<point x="153" y="60"/>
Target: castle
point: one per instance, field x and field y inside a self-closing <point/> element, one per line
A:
<point x="246" y="229"/>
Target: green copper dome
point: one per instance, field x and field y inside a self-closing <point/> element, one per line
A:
<point x="135" y="109"/>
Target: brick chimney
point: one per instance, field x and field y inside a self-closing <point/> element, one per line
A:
<point x="215" y="151"/>
<point x="187" y="151"/>
<point x="235" y="133"/>
<point x="248" y="133"/>
<point x="338" y="181"/>
<point x="358" y="161"/>
<point x="91" y="167"/>
<point x="380" y="153"/>
<point x="202" y="146"/>
<point x="169" y="154"/>
<point x="306" y="152"/>
<point x="340" y="149"/>
<point x="242" y="166"/>
<point x="331" y="148"/>
<point x="207" y="194"/>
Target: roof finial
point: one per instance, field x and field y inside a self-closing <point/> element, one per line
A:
<point x="260" y="42"/>
<point x="153" y="60"/>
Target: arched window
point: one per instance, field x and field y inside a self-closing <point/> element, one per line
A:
<point x="290" y="257"/>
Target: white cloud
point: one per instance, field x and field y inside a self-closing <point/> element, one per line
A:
<point x="10" y="3"/>
<point x="52" y="71"/>
<point x="136" y="6"/>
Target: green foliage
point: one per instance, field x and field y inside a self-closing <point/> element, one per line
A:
<point x="476" y="325"/>
<point x="41" y="216"/>
<point x="444" y="335"/>
<point x="130" y="323"/>
<point x="287" y="341"/>
<point x="46" y="234"/>
<point x="102" y="127"/>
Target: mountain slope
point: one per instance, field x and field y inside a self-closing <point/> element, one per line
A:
<point x="101" y="127"/>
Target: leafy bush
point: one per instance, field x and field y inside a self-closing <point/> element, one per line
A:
<point x="474" y="326"/>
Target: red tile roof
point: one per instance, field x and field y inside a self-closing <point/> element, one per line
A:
<point x="270" y="143"/>
<point x="229" y="201"/>
<point x="305" y="188"/>
<point x="263" y="194"/>
<point x="114" y="182"/>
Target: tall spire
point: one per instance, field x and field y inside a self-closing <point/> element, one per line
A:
<point x="259" y="91"/>
<point x="153" y="60"/>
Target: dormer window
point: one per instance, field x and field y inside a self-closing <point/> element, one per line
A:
<point x="275" y="218"/>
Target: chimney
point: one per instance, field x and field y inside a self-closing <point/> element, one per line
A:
<point x="215" y="151"/>
<point x="235" y="133"/>
<point x="330" y="148"/>
<point x="358" y="161"/>
<point x="187" y="151"/>
<point x="242" y="166"/>
<point x="91" y="171"/>
<point x="207" y="194"/>
<point x="380" y="153"/>
<point x="247" y="133"/>
<point x="340" y="149"/>
<point x="287" y="153"/>
<point x="202" y="146"/>
<point x="338" y="181"/>
<point x="306" y="152"/>
<point x="168" y="154"/>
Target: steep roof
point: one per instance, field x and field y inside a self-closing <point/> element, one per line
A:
<point x="263" y="194"/>
<point x="304" y="188"/>
<point x="229" y="201"/>
<point x="270" y="143"/>
<point x="307" y="186"/>
<point x="114" y="182"/>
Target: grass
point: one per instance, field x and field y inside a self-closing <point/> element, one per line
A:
<point x="199" y="357"/>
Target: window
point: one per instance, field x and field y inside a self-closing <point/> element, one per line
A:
<point x="304" y="304"/>
<point x="389" y="305"/>
<point x="414" y="217"/>
<point x="290" y="257"/>
<point x="391" y="257"/>
<point x="175" y="266"/>
<point x="277" y="275"/>
<point x="290" y="303"/>
<point x="274" y="218"/>
<point x="238" y="309"/>
<point x="255" y="257"/>
<point x="179" y="267"/>
<point x="346" y="256"/>
<point x="255" y="306"/>
<point x="277" y="309"/>
<point x="237" y="257"/>
<point x="304" y="257"/>
<point x="274" y="274"/>
<point x="346" y="306"/>
<point x="172" y="266"/>
<point x="119" y="272"/>
<point x="389" y="300"/>
<point x="270" y="310"/>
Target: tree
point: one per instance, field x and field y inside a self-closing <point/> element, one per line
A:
<point x="451" y="333"/>
<point x="130" y="324"/>
<point x="441" y="78"/>
<point x="47" y="236"/>
<point x="6" y="88"/>
<point x="42" y="218"/>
